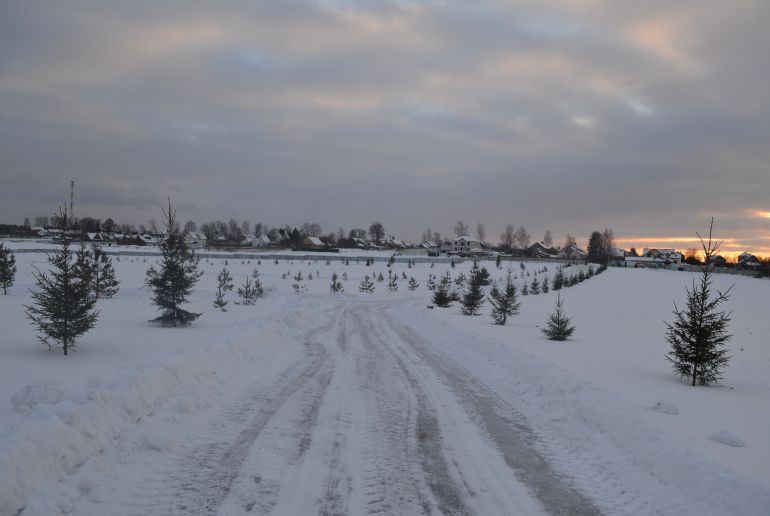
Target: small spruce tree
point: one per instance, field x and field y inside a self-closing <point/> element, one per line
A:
<point x="534" y="288"/>
<point x="335" y="285"/>
<point x="413" y="284"/>
<point x="699" y="333"/>
<point x="224" y="285"/>
<point x="504" y="303"/>
<point x="250" y="291"/>
<point x="474" y="296"/>
<point x="7" y="268"/>
<point x="431" y="284"/>
<point x="380" y="278"/>
<point x="558" y="326"/>
<point x="558" y="279"/>
<point x="104" y="281"/>
<point x="443" y="296"/>
<point x="545" y="288"/>
<point x="63" y="307"/>
<point x="172" y="284"/>
<point x="392" y="281"/>
<point x="85" y="267"/>
<point x="366" y="285"/>
<point x="298" y="286"/>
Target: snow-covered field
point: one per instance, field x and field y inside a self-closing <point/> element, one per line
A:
<point x="321" y="403"/>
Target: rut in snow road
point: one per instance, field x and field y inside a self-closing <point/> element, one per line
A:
<point x="365" y="421"/>
<point x="390" y="436"/>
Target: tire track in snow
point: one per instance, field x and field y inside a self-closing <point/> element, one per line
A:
<point x="214" y="467"/>
<point x="412" y="438"/>
<point x="506" y="428"/>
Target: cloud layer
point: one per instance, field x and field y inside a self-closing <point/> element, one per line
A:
<point x="646" y="117"/>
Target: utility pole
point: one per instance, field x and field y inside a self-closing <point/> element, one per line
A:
<point x="72" y="197"/>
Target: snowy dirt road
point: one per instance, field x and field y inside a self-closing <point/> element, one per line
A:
<point x="382" y="408"/>
<point x="375" y="429"/>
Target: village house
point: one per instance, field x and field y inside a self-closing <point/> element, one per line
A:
<point x="195" y="240"/>
<point x="311" y="242"/>
<point x="538" y="250"/>
<point x="668" y="256"/>
<point x="465" y="245"/>
<point x="748" y="261"/>
<point x="572" y="252"/>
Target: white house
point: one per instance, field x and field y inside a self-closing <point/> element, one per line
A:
<point x="665" y="255"/>
<point x="465" y="244"/>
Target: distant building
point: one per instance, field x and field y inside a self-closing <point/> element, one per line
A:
<point x="718" y="261"/>
<point x="654" y="258"/>
<point x="667" y="255"/>
<point x="465" y="245"/>
<point x="310" y="242"/>
<point x="538" y="250"/>
<point x="195" y="240"/>
<point x="748" y="261"/>
<point x="572" y="252"/>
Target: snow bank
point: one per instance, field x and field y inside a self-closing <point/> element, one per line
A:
<point x="727" y="438"/>
<point x="57" y="432"/>
<point x="33" y="394"/>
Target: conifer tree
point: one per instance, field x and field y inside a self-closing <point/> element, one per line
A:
<point x="474" y="296"/>
<point x="558" y="279"/>
<point x="298" y="286"/>
<point x="7" y="268"/>
<point x="104" y="281"/>
<point x="460" y="280"/>
<point x="545" y="288"/>
<point x="249" y="291"/>
<point x="172" y="284"/>
<point x="380" y="278"/>
<point x="581" y="277"/>
<point x="535" y="286"/>
<point x="335" y="285"/>
<point x="85" y="268"/>
<point x="431" y="285"/>
<point x="504" y="303"/>
<point x="413" y="284"/>
<point x="224" y="285"/>
<point x="699" y="333"/>
<point x="442" y="296"/>
<point x="392" y="281"/>
<point x="558" y="325"/>
<point x="366" y="285"/>
<point x="63" y="308"/>
<point x="525" y="289"/>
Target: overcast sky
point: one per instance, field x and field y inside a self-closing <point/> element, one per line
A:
<point x="645" y="116"/>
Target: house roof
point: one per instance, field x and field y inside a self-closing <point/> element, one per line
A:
<point x="314" y="240"/>
<point x="465" y="238"/>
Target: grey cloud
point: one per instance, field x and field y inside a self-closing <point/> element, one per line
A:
<point x="644" y="116"/>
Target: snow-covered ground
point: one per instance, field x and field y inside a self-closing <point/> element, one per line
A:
<point x="355" y="403"/>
